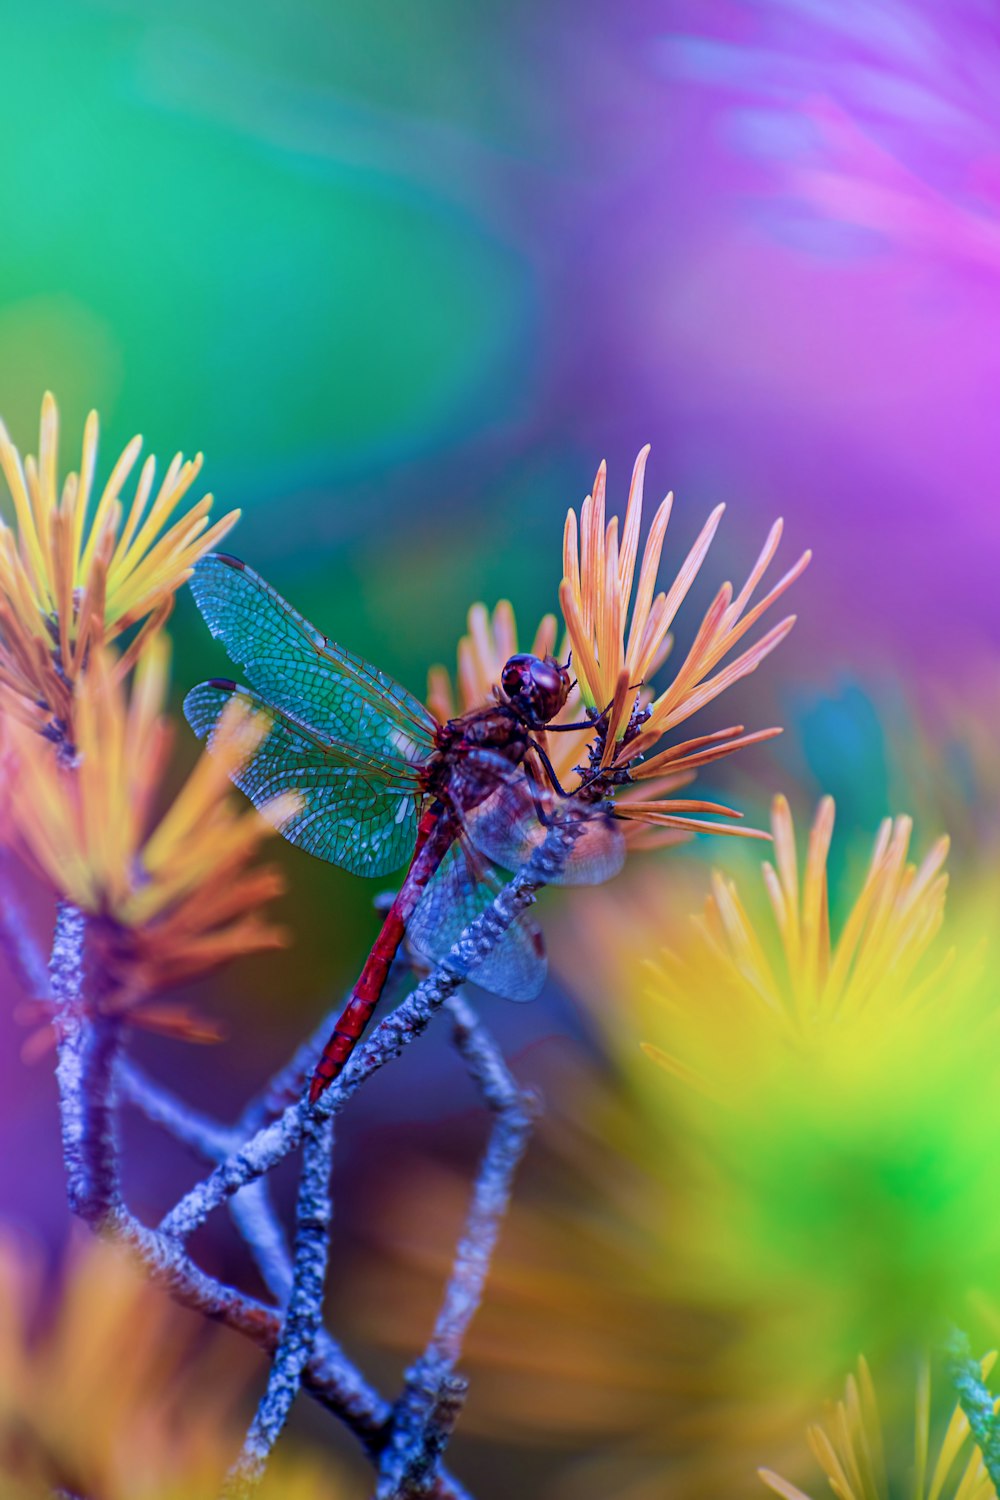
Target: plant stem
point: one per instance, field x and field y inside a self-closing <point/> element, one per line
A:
<point x="515" y="1112"/>
<point x="406" y="1440"/>
<point x="976" y="1402"/>
<point x="87" y="1045"/>
<point x="425" y="1414"/>
<point x="305" y="1308"/>
<point x="402" y="1026"/>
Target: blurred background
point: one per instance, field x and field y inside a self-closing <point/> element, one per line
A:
<point x="405" y="274"/>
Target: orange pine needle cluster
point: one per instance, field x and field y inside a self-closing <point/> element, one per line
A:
<point x="75" y="576"/>
<point x="596" y="592"/>
<point x="171" y="897"/>
<point x="697" y="682"/>
<point x="611" y="666"/>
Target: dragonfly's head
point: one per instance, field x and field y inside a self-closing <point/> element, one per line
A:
<point x="537" y="687"/>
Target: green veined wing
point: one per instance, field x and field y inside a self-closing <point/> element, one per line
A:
<point x="299" y="671"/>
<point x="354" y="810"/>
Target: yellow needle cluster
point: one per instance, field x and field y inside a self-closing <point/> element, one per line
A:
<point x="80" y="565"/>
<point x="172" y="895"/>
<point x="850" y="1448"/>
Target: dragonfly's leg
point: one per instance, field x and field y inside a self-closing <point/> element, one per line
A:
<point x="541" y="811"/>
<point x="588" y="723"/>
<point x="589" y="780"/>
<point x="550" y="768"/>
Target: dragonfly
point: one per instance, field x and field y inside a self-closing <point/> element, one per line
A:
<point x="379" y="782"/>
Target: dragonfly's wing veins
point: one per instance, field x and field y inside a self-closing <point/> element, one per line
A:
<point x="303" y="673"/>
<point x="456" y="894"/>
<point x="507" y="829"/>
<point x="353" y="810"/>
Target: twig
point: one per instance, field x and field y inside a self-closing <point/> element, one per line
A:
<point x="257" y="1156"/>
<point x="328" y="1375"/>
<point x="976" y="1402"/>
<point x="255" y="1218"/>
<point x="305" y="1307"/>
<point x="251" y="1209"/>
<point x="425" y="1414"/>
<point x="86" y="1048"/>
<point x="407" y="1440"/>
<point x="423" y="1420"/>
<point x="402" y="1026"/>
<point x="515" y="1111"/>
<point x="207" y="1138"/>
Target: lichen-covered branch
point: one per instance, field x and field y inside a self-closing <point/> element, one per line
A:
<point x="251" y="1210"/>
<point x="515" y="1112"/>
<point x="305" y="1309"/>
<point x="258" y="1155"/>
<point x="346" y="1394"/>
<point x="406" y="1441"/>
<point x="423" y="1420"/>
<point x="425" y="1414"/>
<point x="976" y="1402"/>
<point x="86" y="1045"/>
<point x="403" y="1025"/>
<point x="328" y="1375"/>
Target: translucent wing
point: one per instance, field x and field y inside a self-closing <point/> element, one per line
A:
<point x="459" y="891"/>
<point x="354" y="809"/>
<point x="506" y="828"/>
<point x="303" y="673"/>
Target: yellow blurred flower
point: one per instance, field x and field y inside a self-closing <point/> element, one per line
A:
<point x="780" y="972"/>
<point x="74" y="577"/>
<point x="826" y="1086"/>
<point x="172" y="896"/>
<point x="110" y="1390"/>
<point x="851" y="1449"/>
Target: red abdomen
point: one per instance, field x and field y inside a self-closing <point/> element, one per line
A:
<point x="434" y="837"/>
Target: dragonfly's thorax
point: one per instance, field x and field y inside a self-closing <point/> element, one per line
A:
<point x="474" y="753"/>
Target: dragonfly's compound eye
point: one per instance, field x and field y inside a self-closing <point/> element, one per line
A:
<point x="538" y="688"/>
<point x="516" y="675"/>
